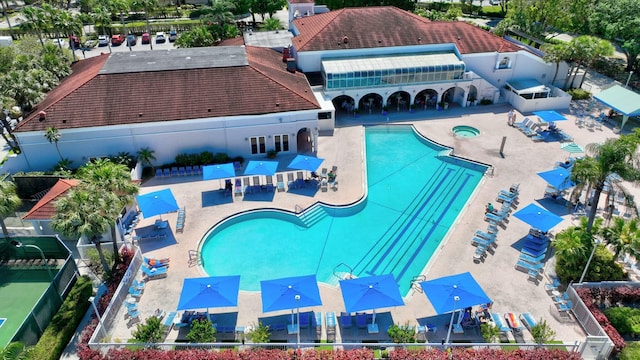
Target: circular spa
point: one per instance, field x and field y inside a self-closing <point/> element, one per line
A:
<point x="465" y="131"/>
<point x="415" y="192"/>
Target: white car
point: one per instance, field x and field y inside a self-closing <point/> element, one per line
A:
<point x="103" y="40"/>
<point x="160" y="37"/>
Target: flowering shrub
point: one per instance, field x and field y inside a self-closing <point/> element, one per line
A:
<point x="595" y="298"/>
<point x="482" y="354"/>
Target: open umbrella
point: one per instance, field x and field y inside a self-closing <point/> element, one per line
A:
<point x="290" y="293"/>
<point x="261" y="168"/>
<point x="370" y="293"/>
<point x="207" y="292"/>
<point x="538" y="217"/>
<point x="559" y="178"/>
<point x="572" y="148"/>
<point x="305" y="162"/>
<point x="157" y="203"/>
<point x="442" y="291"/>
<point x="549" y="116"/>
<point x="218" y="171"/>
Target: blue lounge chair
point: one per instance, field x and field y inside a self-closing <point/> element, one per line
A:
<point x="135" y="293"/>
<point x="564" y="307"/>
<point x="174" y="171"/>
<point x="528" y="320"/>
<point x="530" y="267"/>
<point x="155" y="272"/>
<point x="131" y="305"/>
<point x="482" y="234"/>
<point x="345" y="320"/>
<point x="331" y="322"/>
<point x="482" y="242"/>
<point x="497" y="319"/>
<point x="533" y="252"/>
<point x="531" y="259"/>
<point x="166" y="172"/>
<point x="291" y="183"/>
<point x="189" y="170"/>
<point x="361" y="320"/>
<point x="269" y="183"/>
<point x="300" y="180"/>
<point x="237" y="166"/>
<point x="182" y="171"/>
<point x="138" y="285"/>
<point x="280" y="182"/>
<point x="305" y="320"/>
<point x="493" y="217"/>
<point x="133" y="313"/>
<point x="158" y="172"/>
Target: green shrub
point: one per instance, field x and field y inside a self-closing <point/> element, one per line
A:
<point x="206" y="158"/>
<point x="542" y="332"/>
<point x="221" y="158"/>
<point x="63" y="325"/>
<point x="579" y="94"/>
<point x="625" y="319"/>
<point x="632" y="351"/>
<point x="259" y="334"/>
<point x="486" y="102"/>
<point x="400" y="334"/>
<point x="149" y="332"/>
<point x="489" y="332"/>
<point x="202" y="331"/>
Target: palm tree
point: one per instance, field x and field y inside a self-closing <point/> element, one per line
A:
<point x="36" y="21"/>
<point x="598" y="48"/>
<point x="623" y="236"/>
<point x="120" y="8"/>
<point x="102" y="19"/>
<point x="53" y="136"/>
<point x="145" y="5"/>
<point x="146" y="156"/>
<point x="9" y="202"/>
<point x="614" y="156"/>
<point x="86" y="211"/>
<point x="115" y="180"/>
<point x="556" y="53"/>
<point x="272" y="24"/>
<point x="5" y="6"/>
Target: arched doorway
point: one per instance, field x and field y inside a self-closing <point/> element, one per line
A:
<point x="399" y="101"/>
<point x="370" y="103"/>
<point x="344" y="104"/>
<point x="472" y="96"/>
<point x="453" y="95"/>
<point x="427" y="99"/>
<point x="305" y="140"/>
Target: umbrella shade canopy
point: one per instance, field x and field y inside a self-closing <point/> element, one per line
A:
<point x="157" y="203"/>
<point x="215" y="291"/>
<point x="370" y="292"/>
<point x="571" y="148"/>
<point x="304" y="162"/>
<point x="441" y="293"/>
<point x="290" y="293"/>
<point x="261" y="168"/>
<point x="549" y="116"/>
<point x="559" y="178"/>
<point x="219" y="171"/>
<point x="538" y="217"/>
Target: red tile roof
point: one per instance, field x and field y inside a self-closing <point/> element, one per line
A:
<point x="236" y="41"/>
<point x="89" y="99"/>
<point x="46" y="207"/>
<point x="384" y="26"/>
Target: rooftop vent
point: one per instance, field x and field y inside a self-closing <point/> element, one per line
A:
<point x="345" y="39"/>
<point x="42" y="116"/>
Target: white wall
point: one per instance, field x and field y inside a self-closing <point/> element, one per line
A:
<point x="560" y="100"/>
<point x="167" y="139"/>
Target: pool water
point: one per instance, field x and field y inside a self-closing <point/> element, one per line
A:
<point x="465" y="131"/>
<point x="415" y="193"/>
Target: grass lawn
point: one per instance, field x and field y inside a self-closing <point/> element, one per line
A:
<point x="632" y="351"/>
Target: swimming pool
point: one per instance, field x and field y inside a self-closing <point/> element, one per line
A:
<point x="415" y="192"/>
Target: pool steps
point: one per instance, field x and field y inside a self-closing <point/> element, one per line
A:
<point x="313" y="216"/>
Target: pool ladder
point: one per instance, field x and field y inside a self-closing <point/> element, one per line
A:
<point x="415" y="283"/>
<point x="342" y="274"/>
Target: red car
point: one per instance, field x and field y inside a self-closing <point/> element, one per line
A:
<point x="146" y="38"/>
<point x="117" y="39"/>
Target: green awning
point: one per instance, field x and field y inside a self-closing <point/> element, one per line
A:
<point x="621" y="100"/>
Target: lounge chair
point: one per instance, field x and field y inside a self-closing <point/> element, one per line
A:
<point x="345" y="320"/>
<point x="528" y="320"/>
<point x="494" y="217"/>
<point x="256" y="184"/>
<point x="166" y="172"/>
<point x="167" y="323"/>
<point x="482" y="234"/>
<point x="133" y="314"/>
<point x="135" y="293"/>
<point x="561" y="298"/>
<point x="533" y="252"/>
<point x="497" y="319"/>
<point x="291" y="183"/>
<point x="197" y="170"/>
<point x="361" y="320"/>
<point x="182" y="171"/>
<point x="189" y="170"/>
<point x="158" y="172"/>
<point x="324" y="186"/>
<point x="194" y="258"/>
<point x="269" y="185"/>
<point x="564" y="307"/>
<point x="131" y="305"/>
<point x="156" y="263"/>
<point x="280" y="182"/>
<point x="174" y="171"/>
<point x="237" y="189"/>
<point x="317" y="322"/>
<point x="482" y="242"/>
<point x="138" y="285"/>
<point x="300" y="179"/>
<point x="530" y="267"/>
<point x="305" y="320"/>
<point x="331" y="323"/>
<point x="247" y="186"/>
<point x="154" y="273"/>
<point x="323" y="174"/>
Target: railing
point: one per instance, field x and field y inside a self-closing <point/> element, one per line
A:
<point x="415" y="283"/>
<point x="336" y="273"/>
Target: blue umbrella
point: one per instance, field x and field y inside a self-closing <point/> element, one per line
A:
<point x="441" y="292"/>
<point x="305" y="162"/>
<point x="261" y="168"/>
<point x="215" y="291"/>
<point x="219" y="171"/>
<point x="290" y="293"/>
<point x="538" y="217"/>
<point x="157" y="203"/>
<point x="549" y="116"/>
<point x="370" y="293"/>
<point x="559" y="178"/>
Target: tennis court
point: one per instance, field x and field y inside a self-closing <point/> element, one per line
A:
<point x="20" y="290"/>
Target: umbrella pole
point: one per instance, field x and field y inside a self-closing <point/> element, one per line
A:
<point x="453" y="313"/>
<point x="373" y="321"/>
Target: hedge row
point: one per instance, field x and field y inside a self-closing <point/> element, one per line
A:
<point x="64" y="323"/>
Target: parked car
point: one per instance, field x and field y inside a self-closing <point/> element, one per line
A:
<point x="117" y="39"/>
<point x="173" y="35"/>
<point x="160" y="38"/>
<point x="103" y="40"/>
<point x="146" y="38"/>
<point x="74" y="42"/>
<point x="131" y="40"/>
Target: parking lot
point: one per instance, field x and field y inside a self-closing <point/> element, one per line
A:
<point x="97" y="50"/>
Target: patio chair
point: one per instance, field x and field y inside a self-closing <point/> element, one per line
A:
<point x="324" y="186"/>
<point x="565" y="307"/>
<point x="247" y="186"/>
<point x="138" y="285"/>
<point x="158" y="172"/>
<point x="167" y="323"/>
<point x="256" y="184"/>
<point x="531" y="259"/>
<point x="133" y="314"/>
<point x="131" y="305"/>
<point x="174" y="171"/>
<point x="331" y="322"/>
<point x="345" y="320"/>
<point x="197" y="170"/>
<point x="166" y="172"/>
<point x="237" y="166"/>
<point x="135" y="293"/>
<point x="189" y="171"/>
<point x="280" y="182"/>
<point x="194" y="257"/>
<point x="317" y="322"/>
<point x="527" y="266"/>
<point x="269" y="184"/>
<point x="497" y="320"/>
<point x="361" y="320"/>
<point x="291" y="183"/>
<point x="482" y="242"/>
<point x="182" y="171"/>
<point x="305" y="320"/>
<point x="533" y="252"/>
<point x="237" y="189"/>
<point x="494" y="217"/>
<point x="482" y="234"/>
<point x="300" y="179"/>
<point x="323" y="174"/>
<point x="154" y="273"/>
<point x="528" y="320"/>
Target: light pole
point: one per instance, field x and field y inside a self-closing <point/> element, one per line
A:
<point x="92" y="300"/>
<point x="297" y="297"/>
<point x="629" y="78"/>
<point x="18" y="244"/>
<point x="455" y="303"/>
<point x="586" y="267"/>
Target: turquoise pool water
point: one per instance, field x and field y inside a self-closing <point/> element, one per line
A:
<point x="415" y="193"/>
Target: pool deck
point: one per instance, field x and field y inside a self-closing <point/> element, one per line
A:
<point x="507" y="287"/>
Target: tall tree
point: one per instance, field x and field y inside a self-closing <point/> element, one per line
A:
<point x="196" y="37"/>
<point x="146" y="156"/>
<point x="9" y="202"/>
<point x="5" y="6"/>
<point x="556" y="53"/>
<point x="146" y="6"/>
<point x="53" y="136"/>
<point x="614" y="156"/>
<point x="595" y="49"/>
<point x="623" y="236"/>
<point x="36" y="20"/>
<point x="102" y="19"/>
<point x="618" y="21"/>
<point x="119" y="8"/>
